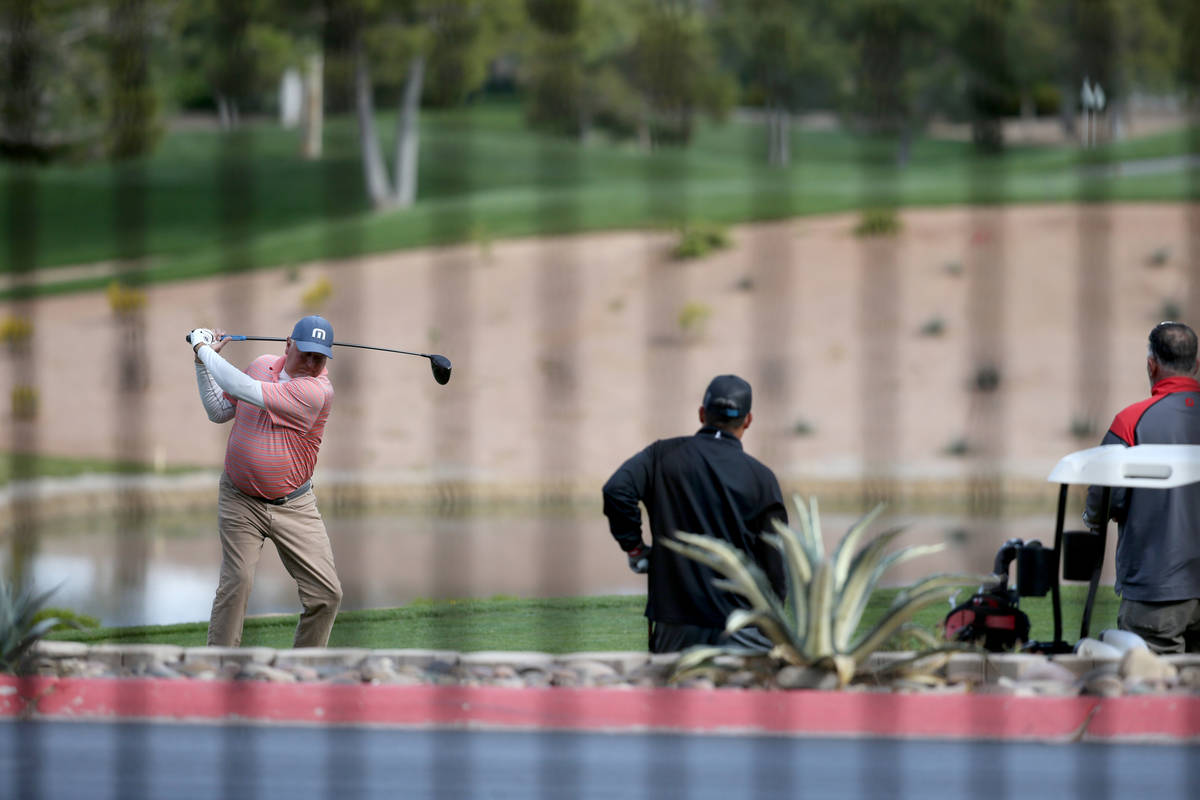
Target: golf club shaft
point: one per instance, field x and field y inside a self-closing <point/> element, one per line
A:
<point x="335" y="344"/>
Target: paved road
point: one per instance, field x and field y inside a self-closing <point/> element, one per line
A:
<point x="128" y="761"/>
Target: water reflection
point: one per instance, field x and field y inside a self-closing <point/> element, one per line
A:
<point x="389" y="559"/>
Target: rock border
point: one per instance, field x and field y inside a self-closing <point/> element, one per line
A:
<point x="1138" y="672"/>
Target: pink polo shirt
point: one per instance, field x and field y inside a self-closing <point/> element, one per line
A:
<point x="271" y="452"/>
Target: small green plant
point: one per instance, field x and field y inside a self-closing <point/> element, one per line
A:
<point x="1083" y="427"/>
<point x="66" y="619"/>
<point x="24" y="402"/>
<point x="693" y="317"/>
<point x="1159" y="257"/>
<point x="697" y="240"/>
<point x="745" y="284"/>
<point x="1169" y="310"/>
<point x="934" y="326"/>
<point x="124" y="300"/>
<point x="16" y="331"/>
<point x="954" y="268"/>
<point x="317" y="295"/>
<point x="878" y="222"/>
<point x="803" y="428"/>
<point x="986" y="378"/>
<point x="19" y="631"/>
<point x="816" y="626"/>
<point x="958" y="447"/>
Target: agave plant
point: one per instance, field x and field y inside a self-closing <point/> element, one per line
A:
<point x="19" y="631"/>
<point x="817" y="624"/>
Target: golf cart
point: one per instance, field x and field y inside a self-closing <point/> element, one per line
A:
<point x="992" y="617"/>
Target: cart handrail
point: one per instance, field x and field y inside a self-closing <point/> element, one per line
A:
<point x="1143" y="466"/>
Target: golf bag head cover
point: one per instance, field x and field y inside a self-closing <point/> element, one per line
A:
<point x="990" y="619"/>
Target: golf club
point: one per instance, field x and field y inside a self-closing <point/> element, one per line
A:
<point x="440" y="364"/>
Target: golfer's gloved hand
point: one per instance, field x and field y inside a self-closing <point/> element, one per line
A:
<point x="200" y="336"/>
<point x="639" y="559"/>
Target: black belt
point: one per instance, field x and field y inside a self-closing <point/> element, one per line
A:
<point x="278" y="501"/>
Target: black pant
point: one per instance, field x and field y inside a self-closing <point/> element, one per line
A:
<point x="668" y="637"/>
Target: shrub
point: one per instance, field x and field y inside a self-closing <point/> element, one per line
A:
<point x="1083" y="427"/>
<point x="803" y="428"/>
<point x="1159" y="257"/>
<point x="124" y="299"/>
<point x="826" y="596"/>
<point x="934" y="326"/>
<point x="697" y="240"/>
<point x="16" y="331"/>
<point x="24" y="402"/>
<point x="1169" y="310"/>
<point x="317" y="295"/>
<point x="693" y="317"/>
<point x="66" y="619"/>
<point x="957" y="447"/>
<point x="19" y="631"/>
<point x="878" y="222"/>
<point x="954" y="268"/>
<point x="987" y="378"/>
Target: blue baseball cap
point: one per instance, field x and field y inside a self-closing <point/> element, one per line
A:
<point x="314" y="334"/>
<point x="727" y="398"/>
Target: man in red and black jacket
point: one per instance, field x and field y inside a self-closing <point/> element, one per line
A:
<point x="1158" y="546"/>
<point x="708" y="485"/>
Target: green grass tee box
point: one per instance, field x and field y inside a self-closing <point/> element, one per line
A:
<point x="552" y="625"/>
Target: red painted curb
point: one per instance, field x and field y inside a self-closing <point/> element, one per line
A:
<point x="810" y="713"/>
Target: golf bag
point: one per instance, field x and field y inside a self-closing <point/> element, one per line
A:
<point x="990" y="617"/>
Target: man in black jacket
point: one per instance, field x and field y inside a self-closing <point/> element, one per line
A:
<point x="704" y="484"/>
<point x="1158" y="546"/>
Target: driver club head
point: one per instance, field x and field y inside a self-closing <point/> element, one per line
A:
<point x="441" y="368"/>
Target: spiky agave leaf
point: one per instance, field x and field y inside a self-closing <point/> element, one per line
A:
<point x="863" y="578"/>
<point x="809" y="534"/>
<point x="18" y="631"/>
<point x="818" y="643"/>
<point x="798" y="572"/>
<point x="699" y="660"/>
<point x="934" y="589"/>
<point x="848" y="546"/>
<point x="741" y="575"/>
<point x="772" y="627"/>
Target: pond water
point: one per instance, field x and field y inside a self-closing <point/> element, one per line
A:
<point x="165" y="571"/>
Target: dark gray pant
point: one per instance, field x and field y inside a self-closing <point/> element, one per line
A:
<point x="1167" y="627"/>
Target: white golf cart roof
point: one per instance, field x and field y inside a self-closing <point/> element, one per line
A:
<point x="1143" y="466"/>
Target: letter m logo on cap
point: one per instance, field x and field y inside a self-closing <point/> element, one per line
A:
<point x="318" y="333"/>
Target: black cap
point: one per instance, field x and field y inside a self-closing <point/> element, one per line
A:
<point x="727" y="398"/>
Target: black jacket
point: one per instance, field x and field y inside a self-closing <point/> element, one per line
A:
<point x="1158" y="547"/>
<point x="703" y="484"/>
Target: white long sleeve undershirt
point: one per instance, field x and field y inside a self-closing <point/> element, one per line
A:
<point x="215" y="375"/>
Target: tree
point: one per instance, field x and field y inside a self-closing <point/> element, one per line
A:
<point x="787" y="55"/>
<point x="904" y="62"/>
<point x="394" y="46"/>
<point x="674" y="68"/>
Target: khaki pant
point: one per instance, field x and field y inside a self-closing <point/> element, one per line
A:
<point x="299" y="535"/>
<point x="1166" y="627"/>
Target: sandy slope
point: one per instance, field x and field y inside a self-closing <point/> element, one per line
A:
<point x="569" y="353"/>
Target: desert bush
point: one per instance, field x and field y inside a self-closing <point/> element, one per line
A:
<point x="1159" y="257"/>
<point x="697" y="240"/>
<point x="16" y="331"/>
<point x="816" y="625"/>
<point x="23" y="402"/>
<point x="986" y="378"/>
<point x="123" y="299"/>
<point x="19" y="631"/>
<point x="878" y="222"/>
<point x="315" y="296"/>
<point x="1169" y="309"/>
<point x="957" y="447"/>
<point x="954" y="268"/>
<point x="1083" y="427"/>
<point x="693" y="317"/>
<point x="934" y="326"/>
<point x="66" y="619"/>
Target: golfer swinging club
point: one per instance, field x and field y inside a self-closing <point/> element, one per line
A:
<point x="278" y="406"/>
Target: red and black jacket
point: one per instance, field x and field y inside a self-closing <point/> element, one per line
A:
<point x="1158" y="548"/>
